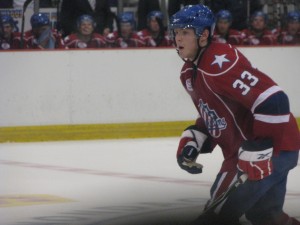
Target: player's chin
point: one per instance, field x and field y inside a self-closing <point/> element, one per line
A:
<point x="182" y="54"/>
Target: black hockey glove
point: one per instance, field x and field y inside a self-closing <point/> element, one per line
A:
<point x="189" y="148"/>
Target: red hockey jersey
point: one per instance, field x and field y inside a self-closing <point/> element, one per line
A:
<point x="115" y="41"/>
<point x="265" y="38"/>
<point x="31" y="41"/>
<point x="96" y="41"/>
<point x="152" y="42"/>
<point x="234" y="37"/>
<point x="13" y="43"/>
<point x="226" y="91"/>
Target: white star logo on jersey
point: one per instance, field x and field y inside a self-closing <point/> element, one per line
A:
<point x="220" y="59"/>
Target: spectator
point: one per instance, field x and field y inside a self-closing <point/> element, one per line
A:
<point x="98" y="9"/>
<point x="258" y="34"/>
<point x="155" y="35"/>
<point x="175" y="5"/>
<point x="85" y="37"/>
<point x="223" y="32"/>
<point x="1" y="31"/>
<point x="10" y="39"/>
<point x="4" y="4"/>
<point x="291" y="34"/>
<point x="41" y="36"/>
<point x="144" y="8"/>
<point x="238" y="9"/>
<point x="126" y="35"/>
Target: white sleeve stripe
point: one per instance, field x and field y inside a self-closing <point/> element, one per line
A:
<point x="272" y="119"/>
<point x="263" y="96"/>
<point x="187" y="133"/>
<point x="200" y="137"/>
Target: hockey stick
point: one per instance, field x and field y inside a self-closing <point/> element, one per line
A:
<point x="25" y="5"/>
<point x="241" y="180"/>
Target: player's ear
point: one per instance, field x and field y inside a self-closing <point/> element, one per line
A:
<point x="205" y="34"/>
<point x="204" y="38"/>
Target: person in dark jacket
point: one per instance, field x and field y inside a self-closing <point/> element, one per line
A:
<point x="238" y="9"/>
<point x="4" y="4"/>
<point x="98" y="9"/>
<point x="143" y="9"/>
<point x="175" y="5"/>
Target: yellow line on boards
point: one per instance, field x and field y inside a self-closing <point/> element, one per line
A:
<point x="94" y="131"/>
<point x="28" y="200"/>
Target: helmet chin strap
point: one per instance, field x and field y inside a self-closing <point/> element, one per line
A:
<point x="199" y="52"/>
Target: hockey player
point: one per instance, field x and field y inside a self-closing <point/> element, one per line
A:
<point x="41" y="36"/>
<point x="258" y="33"/>
<point x="85" y="36"/>
<point x="126" y="35"/>
<point x="291" y="35"/>
<point x="10" y="39"/>
<point x="223" y="33"/>
<point x="243" y="111"/>
<point x="155" y="35"/>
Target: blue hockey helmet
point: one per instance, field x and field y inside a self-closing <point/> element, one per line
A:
<point x="39" y="20"/>
<point x="6" y="19"/>
<point x="198" y="17"/>
<point x="293" y="16"/>
<point x="126" y="17"/>
<point x="224" y="15"/>
<point x="259" y="14"/>
<point x="86" y="17"/>
<point x="155" y="14"/>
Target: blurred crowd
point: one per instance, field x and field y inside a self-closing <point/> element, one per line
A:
<point x="92" y="24"/>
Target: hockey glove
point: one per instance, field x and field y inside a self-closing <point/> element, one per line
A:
<point x="255" y="159"/>
<point x="189" y="148"/>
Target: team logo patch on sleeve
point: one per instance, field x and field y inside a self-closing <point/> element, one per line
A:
<point x="213" y="122"/>
<point x="189" y="85"/>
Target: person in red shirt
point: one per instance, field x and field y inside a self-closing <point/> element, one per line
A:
<point x="85" y="37"/>
<point x="126" y="35"/>
<point x="291" y="34"/>
<point x="223" y="33"/>
<point x="258" y="34"/>
<point x="244" y="112"/>
<point x="155" y="35"/>
<point x="10" y="39"/>
<point x="41" y="36"/>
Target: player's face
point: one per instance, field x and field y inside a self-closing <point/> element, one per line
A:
<point x="293" y="27"/>
<point x="258" y="23"/>
<point x="86" y="28"/>
<point x="223" y="26"/>
<point x="39" y="30"/>
<point x="153" y="24"/>
<point x="7" y="30"/>
<point x="186" y="42"/>
<point x="126" y="30"/>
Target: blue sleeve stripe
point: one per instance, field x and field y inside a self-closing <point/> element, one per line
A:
<point x="276" y="105"/>
<point x="263" y="96"/>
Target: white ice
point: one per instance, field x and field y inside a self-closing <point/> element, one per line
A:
<point x="110" y="182"/>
